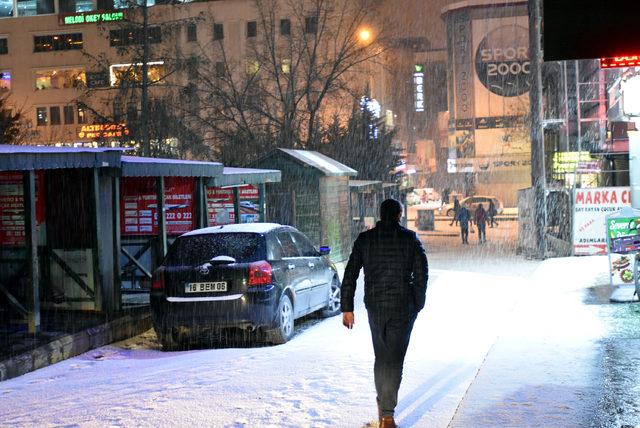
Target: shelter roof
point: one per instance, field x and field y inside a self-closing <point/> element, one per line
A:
<point x="134" y="166"/>
<point x="324" y="164"/>
<point x="27" y="158"/>
<point x="232" y="176"/>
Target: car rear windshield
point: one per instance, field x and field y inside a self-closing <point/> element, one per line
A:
<point x="197" y="249"/>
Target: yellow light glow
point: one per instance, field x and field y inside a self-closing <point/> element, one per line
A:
<point x="364" y="35"/>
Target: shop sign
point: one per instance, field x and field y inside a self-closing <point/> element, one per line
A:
<point x="139" y="207"/>
<point x="568" y="162"/>
<point x="89" y="18"/>
<point x="102" y="130"/>
<point x="502" y="61"/>
<point x="97" y="79"/>
<point x="486" y="164"/>
<point x="590" y="208"/>
<point x="12" y="225"/>
<point x="418" y="85"/>
<point x="620" y="61"/>
<point x="499" y="122"/>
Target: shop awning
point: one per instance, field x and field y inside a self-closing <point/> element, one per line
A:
<point x="365" y="185"/>
<point x="27" y="158"/>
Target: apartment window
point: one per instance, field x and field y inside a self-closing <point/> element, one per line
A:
<point x="60" y="79"/>
<point x="218" y="32"/>
<point x="57" y="42"/>
<point x="83" y="114"/>
<point x="311" y="24"/>
<point x="35" y="7"/>
<point x="192" y="32"/>
<point x="220" y="69"/>
<point x="73" y="6"/>
<point x="134" y="36"/>
<point x="7" y="12"/>
<point x="122" y="4"/>
<point x="192" y="68"/>
<point x="68" y="115"/>
<point x="285" y="27"/>
<point x="252" y="29"/>
<point x="54" y="114"/>
<point x="4" y="46"/>
<point x="41" y="116"/>
<point x="5" y="80"/>
<point x="121" y="74"/>
<point x="253" y="66"/>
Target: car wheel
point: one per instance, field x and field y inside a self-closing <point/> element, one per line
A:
<point x="333" y="307"/>
<point x="284" y="322"/>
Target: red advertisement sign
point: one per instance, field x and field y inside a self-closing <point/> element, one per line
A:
<point x="220" y="205"/>
<point x="139" y="208"/>
<point x="12" y="231"/>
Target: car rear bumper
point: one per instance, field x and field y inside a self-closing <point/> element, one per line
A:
<point x="250" y="310"/>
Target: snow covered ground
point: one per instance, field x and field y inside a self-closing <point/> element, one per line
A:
<point x="485" y="350"/>
<point x="323" y="377"/>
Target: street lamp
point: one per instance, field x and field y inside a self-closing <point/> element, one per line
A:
<point x="364" y="35"/>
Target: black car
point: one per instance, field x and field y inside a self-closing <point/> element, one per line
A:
<point x="256" y="277"/>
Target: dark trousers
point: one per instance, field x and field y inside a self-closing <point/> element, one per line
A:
<point x="464" y="233"/>
<point x="482" y="232"/>
<point x="390" y="332"/>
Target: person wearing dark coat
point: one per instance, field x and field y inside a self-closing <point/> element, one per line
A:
<point x="492" y="212"/>
<point x="395" y="283"/>
<point x="463" y="217"/>
<point x="480" y="217"/>
<point x="456" y="210"/>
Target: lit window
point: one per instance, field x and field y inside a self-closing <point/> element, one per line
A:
<point x="41" y="116"/>
<point x="122" y="73"/>
<point x="60" y="79"/>
<point x="73" y="6"/>
<point x="134" y="36"/>
<point x="57" y="42"/>
<point x="253" y="66"/>
<point x="5" y="80"/>
<point x="83" y="115"/>
<point x="35" y="7"/>
<point x="286" y="66"/>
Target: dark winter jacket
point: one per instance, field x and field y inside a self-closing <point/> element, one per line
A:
<point x="395" y="270"/>
<point x="463" y="217"/>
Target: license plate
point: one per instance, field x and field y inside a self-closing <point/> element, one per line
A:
<point x="204" y="287"/>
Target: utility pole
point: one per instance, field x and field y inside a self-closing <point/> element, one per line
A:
<point x="538" y="174"/>
<point x="144" y="102"/>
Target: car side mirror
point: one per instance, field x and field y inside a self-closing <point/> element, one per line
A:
<point x="324" y="251"/>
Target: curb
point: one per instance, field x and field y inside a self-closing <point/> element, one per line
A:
<point x="70" y="345"/>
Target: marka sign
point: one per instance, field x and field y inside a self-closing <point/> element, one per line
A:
<point x="590" y="209"/>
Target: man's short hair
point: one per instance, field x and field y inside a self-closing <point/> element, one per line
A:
<point x="390" y="209"/>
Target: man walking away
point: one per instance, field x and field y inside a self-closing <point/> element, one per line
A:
<point x="481" y="221"/>
<point x="492" y="212"/>
<point x="395" y="283"/>
<point x="463" y="218"/>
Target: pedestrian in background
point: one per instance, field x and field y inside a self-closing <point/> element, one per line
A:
<point x="463" y="218"/>
<point x="492" y="212"/>
<point x="395" y="283"/>
<point x="480" y="217"/>
<point x="456" y="210"/>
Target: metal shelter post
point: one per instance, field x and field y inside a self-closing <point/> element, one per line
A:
<point x="201" y="203"/>
<point x="31" y="242"/>
<point x="117" y="244"/>
<point x="162" y="221"/>
<point x="236" y="203"/>
<point x="262" y="201"/>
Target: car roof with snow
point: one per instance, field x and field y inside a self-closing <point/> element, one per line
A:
<point x="236" y="228"/>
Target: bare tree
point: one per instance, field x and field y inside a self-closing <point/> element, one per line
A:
<point x="297" y="74"/>
<point x="13" y="126"/>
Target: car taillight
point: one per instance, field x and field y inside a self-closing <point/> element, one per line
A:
<point x="157" y="282"/>
<point x="260" y="273"/>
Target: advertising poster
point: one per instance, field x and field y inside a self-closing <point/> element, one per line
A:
<point x="591" y="206"/>
<point x="138" y="206"/>
<point x="624" y="244"/>
<point x="12" y="231"/>
<point x="220" y="202"/>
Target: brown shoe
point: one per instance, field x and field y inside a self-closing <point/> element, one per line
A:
<point x="387" y="422"/>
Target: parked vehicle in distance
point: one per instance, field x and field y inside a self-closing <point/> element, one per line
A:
<point x="423" y="196"/>
<point x="472" y="202"/>
<point x="258" y="277"/>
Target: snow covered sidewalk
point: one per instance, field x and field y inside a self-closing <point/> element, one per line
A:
<point x="322" y="377"/>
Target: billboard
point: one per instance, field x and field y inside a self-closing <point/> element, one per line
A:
<point x="590" y="208"/>
<point x="12" y="231"/>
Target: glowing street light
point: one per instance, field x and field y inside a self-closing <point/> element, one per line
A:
<point x="364" y="35"/>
